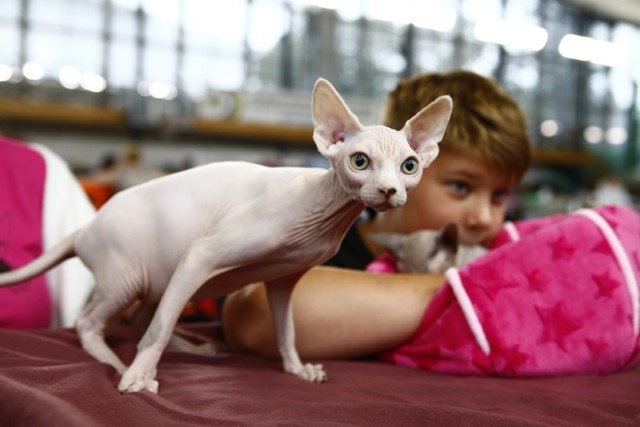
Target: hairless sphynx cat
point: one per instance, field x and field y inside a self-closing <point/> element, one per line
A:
<point x="213" y="229"/>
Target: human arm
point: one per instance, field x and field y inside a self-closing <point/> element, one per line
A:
<point x="338" y="313"/>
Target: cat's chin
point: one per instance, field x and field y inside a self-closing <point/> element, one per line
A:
<point x="385" y="206"/>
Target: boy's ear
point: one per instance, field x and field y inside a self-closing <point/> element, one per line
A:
<point x="332" y="119"/>
<point x="425" y="130"/>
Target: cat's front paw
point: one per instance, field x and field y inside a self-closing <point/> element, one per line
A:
<point x="312" y="373"/>
<point x="132" y="382"/>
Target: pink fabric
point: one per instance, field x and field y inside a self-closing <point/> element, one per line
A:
<point x="384" y="264"/>
<point x="22" y="177"/>
<point x="525" y="227"/>
<point x="555" y="302"/>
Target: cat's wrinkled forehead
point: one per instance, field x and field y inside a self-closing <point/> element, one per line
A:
<point x="382" y="139"/>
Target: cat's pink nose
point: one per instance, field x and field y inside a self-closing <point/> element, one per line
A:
<point x="388" y="192"/>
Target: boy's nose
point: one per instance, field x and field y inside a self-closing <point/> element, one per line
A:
<point x="479" y="216"/>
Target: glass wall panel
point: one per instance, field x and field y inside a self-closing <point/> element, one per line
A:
<point x="122" y="64"/>
<point x="214" y="37"/>
<point x="162" y="22"/>
<point x="10" y="46"/>
<point x="160" y="64"/>
<point x="362" y="46"/>
<point x="65" y="33"/>
<point x="10" y="9"/>
<point x="44" y="48"/>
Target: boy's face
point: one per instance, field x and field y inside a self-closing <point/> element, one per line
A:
<point x="460" y="189"/>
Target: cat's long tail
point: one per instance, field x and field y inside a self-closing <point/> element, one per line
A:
<point x="62" y="251"/>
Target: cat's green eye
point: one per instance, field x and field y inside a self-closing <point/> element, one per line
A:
<point x="360" y="161"/>
<point x="410" y="166"/>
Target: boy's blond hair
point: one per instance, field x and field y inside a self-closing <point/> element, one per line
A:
<point x="486" y="122"/>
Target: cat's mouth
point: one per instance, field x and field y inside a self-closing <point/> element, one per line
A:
<point x="382" y="208"/>
<point x="379" y="202"/>
<point x="386" y="205"/>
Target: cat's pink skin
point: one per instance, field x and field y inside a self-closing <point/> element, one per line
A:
<point x="216" y="228"/>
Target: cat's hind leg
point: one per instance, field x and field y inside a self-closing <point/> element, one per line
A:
<point x="206" y="346"/>
<point x="90" y="328"/>
<point x="182" y="338"/>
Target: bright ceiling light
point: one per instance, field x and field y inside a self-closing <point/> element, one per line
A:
<point x="160" y="90"/>
<point x="512" y="34"/>
<point x="6" y="72"/>
<point x="267" y="26"/>
<point x="423" y="14"/>
<point x="593" y="134"/>
<point x="397" y="12"/>
<point x="588" y="49"/>
<point x="433" y="16"/>
<point x="549" y="128"/>
<point x="325" y="4"/>
<point x="575" y="47"/>
<point x="93" y="83"/>
<point x="616" y="135"/>
<point x="33" y="71"/>
<point x="69" y="77"/>
<point x="157" y="90"/>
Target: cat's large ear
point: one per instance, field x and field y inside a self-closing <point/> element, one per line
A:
<point x="425" y="130"/>
<point x="332" y="119"/>
<point x="448" y="237"/>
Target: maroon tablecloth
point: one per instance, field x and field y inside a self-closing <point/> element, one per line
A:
<point x="46" y="379"/>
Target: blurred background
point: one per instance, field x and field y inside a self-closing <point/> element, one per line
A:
<point x="163" y="85"/>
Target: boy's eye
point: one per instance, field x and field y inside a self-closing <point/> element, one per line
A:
<point x="459" y="187"/>
<point x="501" y="196"/>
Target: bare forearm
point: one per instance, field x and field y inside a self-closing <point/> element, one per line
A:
<point x="338" y="313"/>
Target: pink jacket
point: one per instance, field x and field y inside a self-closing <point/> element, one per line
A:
<point x="557" y="295"/>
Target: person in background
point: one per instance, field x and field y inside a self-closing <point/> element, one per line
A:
<point x="100" y="184"/>
<point x="611" y="190"/>
<point x="41" y="202"/>
<point x="116" y="173"/>
<point x="344" y="312"/>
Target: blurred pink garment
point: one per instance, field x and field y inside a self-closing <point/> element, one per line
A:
<point x="556" y="296"/>
<point x="22" y="179"/>
<point x="41" y="202"/>
<point x="384" y="264"/>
